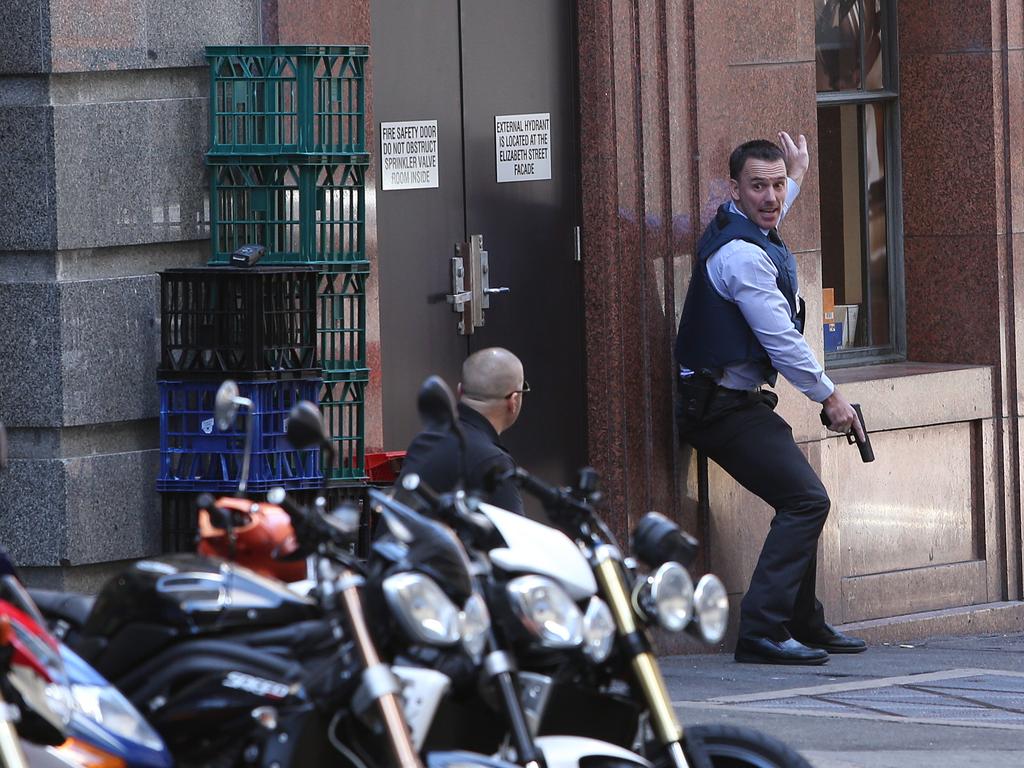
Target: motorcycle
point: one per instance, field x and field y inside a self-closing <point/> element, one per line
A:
<point x="550" y="588"/>
<point x="65" y="713"/>
<point x="411" y="599"/>
<point x="235" y="669"/>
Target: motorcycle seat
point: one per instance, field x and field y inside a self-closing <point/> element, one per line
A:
<point x="66" y="606"/>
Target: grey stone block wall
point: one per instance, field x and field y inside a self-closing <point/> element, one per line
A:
<point x="104" y="125"/>
<point x="25" y="36"/>
<point x="31" y="392"/>
<point x="110" y="357"/>
<point x="82" y="510"/>
<point x="26" y="167"/>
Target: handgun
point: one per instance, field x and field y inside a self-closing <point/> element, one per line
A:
<point x="866" y="454"/>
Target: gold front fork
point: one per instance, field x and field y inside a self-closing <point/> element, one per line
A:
<point x="403" y="751"/>
<point x="644" y="664"/>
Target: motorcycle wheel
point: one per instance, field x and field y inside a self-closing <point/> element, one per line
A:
<point x="727" y="746"/>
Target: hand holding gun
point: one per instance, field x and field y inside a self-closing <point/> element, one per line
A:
<point x="864" y="446"/>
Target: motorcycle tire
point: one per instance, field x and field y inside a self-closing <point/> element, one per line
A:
<point x="727" y="746"/>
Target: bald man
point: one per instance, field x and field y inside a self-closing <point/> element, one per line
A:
<point x="490" y="400"/>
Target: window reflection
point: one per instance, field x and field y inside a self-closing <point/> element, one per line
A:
<point x="848" y="45"/>
<point x="878" y="251"/>
<point x="854" y="229"/>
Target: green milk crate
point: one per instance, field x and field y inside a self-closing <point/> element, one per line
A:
<point x="343" y="405"/>
<point x="303" y="100"/>
<point x="301" y="213"/>
<point x="341" y="323"/>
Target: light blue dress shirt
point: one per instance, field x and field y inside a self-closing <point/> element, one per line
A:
<point x="743" y="274"/>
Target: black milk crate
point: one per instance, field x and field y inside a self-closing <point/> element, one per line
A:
<point x="254" y="322"/>
<point x="343" y="406"/>
<point x="301" y="213"/>
<point x="179" y="522"/>
<point x="287" y="99"/>
<point x="341" y="323"/>
<point x="196" y="456"/>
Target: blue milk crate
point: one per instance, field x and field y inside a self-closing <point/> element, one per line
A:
<point x="196" y="456"/>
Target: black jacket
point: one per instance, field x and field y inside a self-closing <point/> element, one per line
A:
<point x="434" y="456"/>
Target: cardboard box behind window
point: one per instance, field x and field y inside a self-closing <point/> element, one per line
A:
<point x="828" y="305"/>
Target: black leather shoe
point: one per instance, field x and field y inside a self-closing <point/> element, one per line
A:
<point x="833" y="641"/>
<point x="764" y="650"/>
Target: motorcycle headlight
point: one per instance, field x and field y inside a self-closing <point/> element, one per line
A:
<point x="598" y="631"/>
<point x="422" y="608"/>
<point x="546" y="611"/>
<point x="105" y="705"/>
<point x="672" y="595"/>
<point x="711" y="604"/>
<point x="474" y="621"/>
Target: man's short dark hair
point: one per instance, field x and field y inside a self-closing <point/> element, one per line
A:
<point x="759" y="149"/>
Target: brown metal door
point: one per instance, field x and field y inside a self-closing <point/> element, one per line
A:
<point x="465" y="64"/>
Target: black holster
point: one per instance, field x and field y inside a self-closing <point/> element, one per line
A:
<point x="702" y="401"/>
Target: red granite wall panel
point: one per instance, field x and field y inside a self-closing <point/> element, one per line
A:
<point x="953" y="182"/>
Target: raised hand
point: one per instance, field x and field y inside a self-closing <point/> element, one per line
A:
<point x="795" y="154"/>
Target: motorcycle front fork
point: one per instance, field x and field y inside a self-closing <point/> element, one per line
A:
<point x="377" y="676"/>
<point x="633" y="639"/>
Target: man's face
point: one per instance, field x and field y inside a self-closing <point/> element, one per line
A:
<point x="760" y="191"/>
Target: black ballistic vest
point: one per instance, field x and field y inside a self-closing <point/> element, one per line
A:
<point x="712" y="331"/>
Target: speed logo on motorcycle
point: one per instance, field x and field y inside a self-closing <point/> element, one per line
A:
<point x="256" y="685"/>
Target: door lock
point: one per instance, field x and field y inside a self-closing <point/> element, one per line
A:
<point x="471" y="287"/>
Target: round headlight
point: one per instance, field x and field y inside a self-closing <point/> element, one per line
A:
<point x="546" y="611"/>
<point x="672" y="593"/>
<point x="711" y="603"/>
<point x="598" y="631"/>
<point x="423" y="609"/>
<point x="474" y="621"/>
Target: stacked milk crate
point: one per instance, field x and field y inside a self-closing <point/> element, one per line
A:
<point x="287" y="166"/>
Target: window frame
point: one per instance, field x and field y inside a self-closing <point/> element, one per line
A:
<point x="896" y="349"/>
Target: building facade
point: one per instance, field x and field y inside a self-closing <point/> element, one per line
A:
<point x="905" y="230"/>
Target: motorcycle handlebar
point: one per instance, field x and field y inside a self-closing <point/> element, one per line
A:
<point x="310" y="527"/>
<point x="414" y="484"/>
<point x="552" y="497"/>
<point x="473" y="527"/>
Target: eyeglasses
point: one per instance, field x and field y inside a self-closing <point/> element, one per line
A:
<point x="526" y="388"/>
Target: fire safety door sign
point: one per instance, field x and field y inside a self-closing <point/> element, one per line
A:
<point x="522" y="146"/>
<point x="408" y="155"/>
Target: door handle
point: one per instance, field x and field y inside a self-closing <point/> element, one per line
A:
<point x="471" y="288"/>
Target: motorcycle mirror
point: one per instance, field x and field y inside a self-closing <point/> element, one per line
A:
<point x="305" y="426"/>
<point x="225" y="405"/>
<point x="3" y="447"/>
<point x="436" y="405"/>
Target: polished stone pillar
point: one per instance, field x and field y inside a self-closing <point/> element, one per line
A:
<point x="103" y="114"/>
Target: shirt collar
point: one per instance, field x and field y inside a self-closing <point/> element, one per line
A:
<point x="734" y="209"/>
<point x="477" y="420"/>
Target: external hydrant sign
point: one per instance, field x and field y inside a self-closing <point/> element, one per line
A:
<point x="522" y="146"/>
<point x="408" y="154"/>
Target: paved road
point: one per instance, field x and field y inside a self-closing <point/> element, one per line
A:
<point x="951" y="702"/>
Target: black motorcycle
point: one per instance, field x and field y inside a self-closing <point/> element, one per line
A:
<point x="235" y="669"/>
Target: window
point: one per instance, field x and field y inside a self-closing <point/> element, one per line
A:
<point x="858" y="173"/>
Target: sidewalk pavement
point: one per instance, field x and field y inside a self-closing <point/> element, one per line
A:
<point x="956" y="702"/>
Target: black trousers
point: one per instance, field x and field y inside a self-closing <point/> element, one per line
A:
<point x="741" y="432"/>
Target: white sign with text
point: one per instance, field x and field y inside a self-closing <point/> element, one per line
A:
<point x="408" y="155"/>
<point x="522" y="147"/>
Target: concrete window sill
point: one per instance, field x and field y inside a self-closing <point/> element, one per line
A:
<point x="906" y="395"/>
